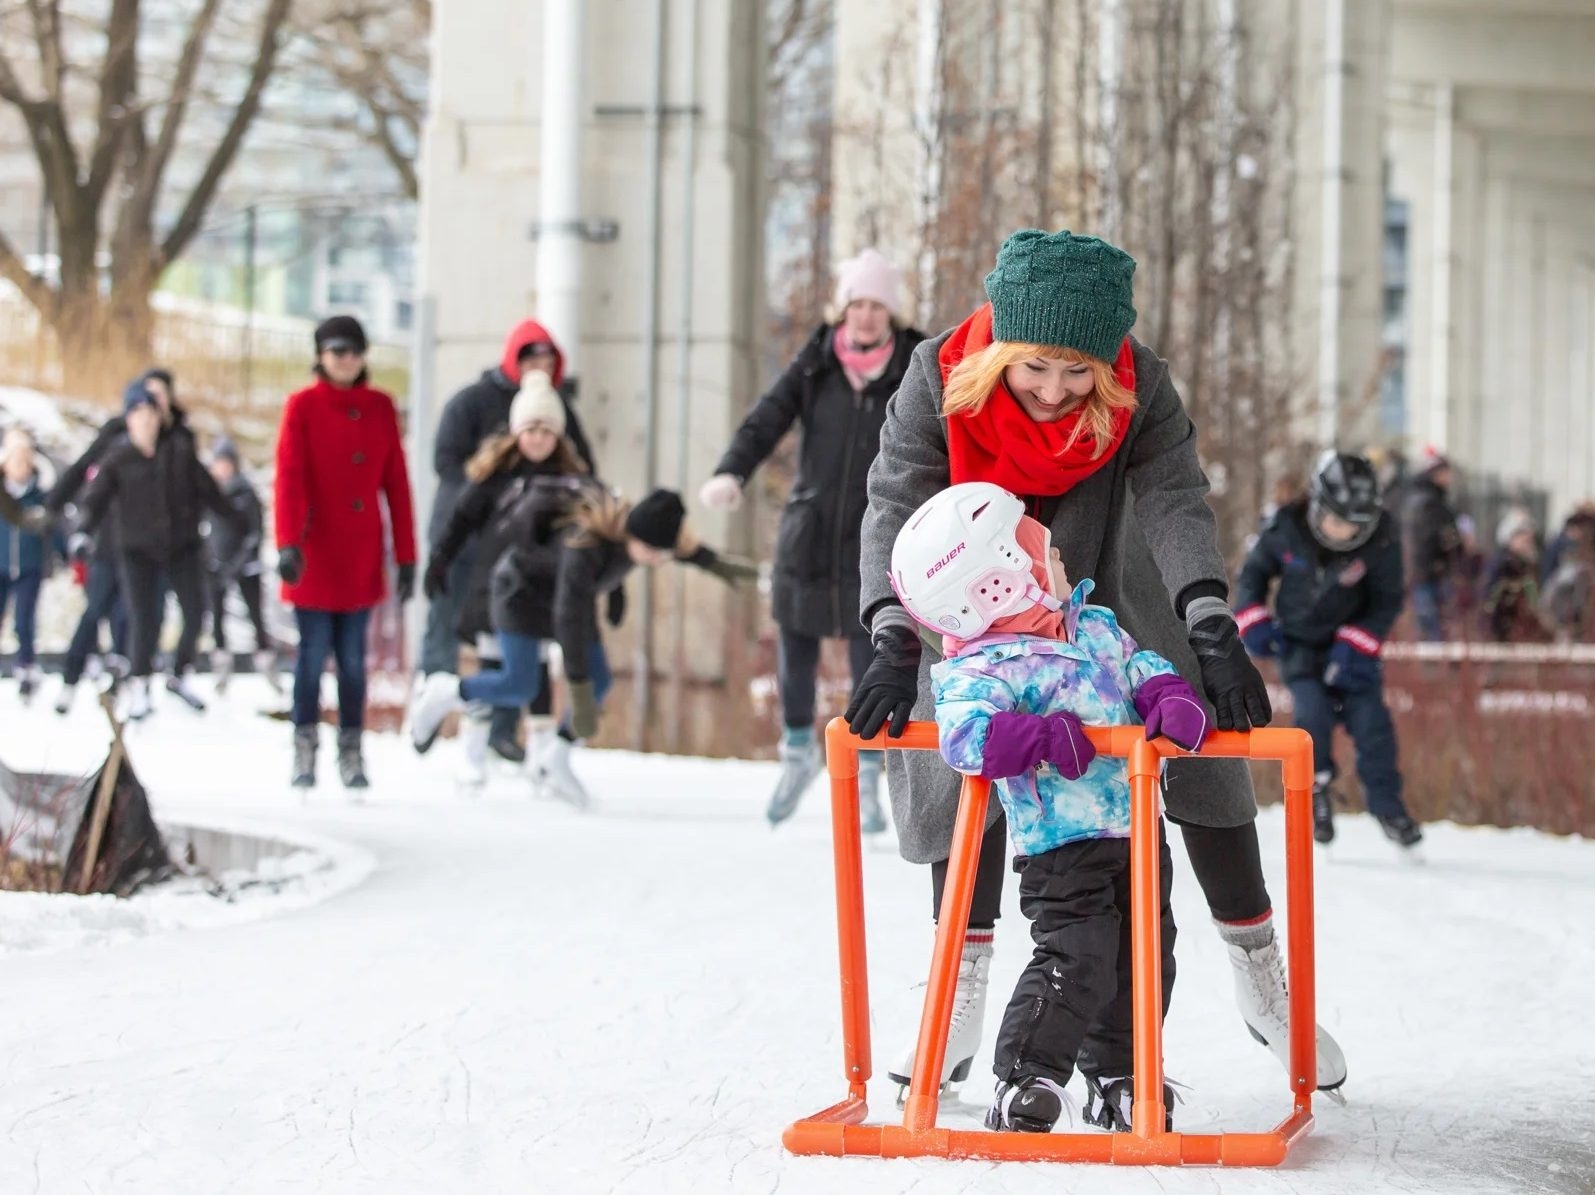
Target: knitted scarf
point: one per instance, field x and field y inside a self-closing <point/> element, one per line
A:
<point x="1001" y="444"/>
<point x="862" y="366"/>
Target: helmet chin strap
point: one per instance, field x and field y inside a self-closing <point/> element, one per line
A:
<point x="1042" y="598"/>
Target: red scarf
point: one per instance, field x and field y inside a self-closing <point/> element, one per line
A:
<point x="1001" y="444"/>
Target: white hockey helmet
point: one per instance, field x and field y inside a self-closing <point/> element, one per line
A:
<point x="957" y="564"/>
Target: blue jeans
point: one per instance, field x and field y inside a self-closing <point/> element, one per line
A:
<point x="520" y="678"/>
<point x="102" y="596"/>
<point x="1367" y="720"/>
<point x="342" y="635"/>
<point x="1428" y="599"/>
<point x="25" y="590"/>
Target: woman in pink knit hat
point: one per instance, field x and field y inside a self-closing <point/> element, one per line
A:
<point x="836" y="391"/>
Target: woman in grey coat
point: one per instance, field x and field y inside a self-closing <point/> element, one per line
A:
<point x="1044" y="392"/>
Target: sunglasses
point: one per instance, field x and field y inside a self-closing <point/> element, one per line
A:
<point x="344" y="350"/>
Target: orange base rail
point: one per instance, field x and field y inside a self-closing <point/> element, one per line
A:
<point x="840" y="1130"/>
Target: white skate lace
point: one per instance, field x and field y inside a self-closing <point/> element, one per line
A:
<point x="1265" y="972"/>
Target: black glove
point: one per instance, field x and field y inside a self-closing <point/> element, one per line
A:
<point x="406" y="586"/>
<point x="615" y="606"/>
<point x="290" y="565"/>
<point x="436" y="581"/>
<point x="1233" y="684"/>
<point x="583" y="708"/>
<point x="733" y="571"/>
<point x="889" y="686"/>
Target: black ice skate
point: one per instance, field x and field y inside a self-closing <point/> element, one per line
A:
<point x="1401" y="830"/>
<point x="1109" y="1101"/>
<point x="1030" y="1105"/>
<point x="1323" y="816"/>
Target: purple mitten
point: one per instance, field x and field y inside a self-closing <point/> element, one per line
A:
<point x="1068" y="749"/>
<point x="1016" y="743"/>
<point x="1171" y="708"/>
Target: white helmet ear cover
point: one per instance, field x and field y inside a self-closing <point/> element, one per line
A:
<point x="957" y="565"/>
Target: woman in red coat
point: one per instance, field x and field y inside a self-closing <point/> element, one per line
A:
<point x="338" y="450"/>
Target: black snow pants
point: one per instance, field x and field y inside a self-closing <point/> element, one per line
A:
<point x="1074" y="1000"/>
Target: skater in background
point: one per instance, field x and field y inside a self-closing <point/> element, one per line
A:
<point x="25" y="556"/>
<point x="1569" y="591"/>
<point x="97" y="557"/>
<point x="340" y="459"/>
<point x="522" y="482"/>
<point x="1043" y="392"/>
<point x="835" y="391"/>
<point x="1432" y="542"/>
<point x="550" y="589"/>
<point x="1336" y="556"/>
<point x="476" y="412"/>
<point x="1510" y="608"/>
<point x="152" y="487"/>
<point x="232" y="560"/>
<point x="1019" y="681"/>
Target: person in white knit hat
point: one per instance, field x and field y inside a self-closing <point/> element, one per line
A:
<point x="836" y="390"/>
<point x="531" y="467"/>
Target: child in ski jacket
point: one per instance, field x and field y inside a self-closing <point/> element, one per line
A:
<point x="1024" y="673"/>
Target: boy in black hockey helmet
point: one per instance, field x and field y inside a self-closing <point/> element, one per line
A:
<point x="1337" y="557"/>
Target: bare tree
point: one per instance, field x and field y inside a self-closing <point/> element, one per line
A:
<point x="94" y="120"/>
<point x="377" y="51"/>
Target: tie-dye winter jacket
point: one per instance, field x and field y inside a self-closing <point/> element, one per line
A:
<point x="1094" y="674"/>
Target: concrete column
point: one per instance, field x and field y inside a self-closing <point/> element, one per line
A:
<point x="481" y="174"/>
<point x="1439" y="330"/>
<point x="1339" y="209"/>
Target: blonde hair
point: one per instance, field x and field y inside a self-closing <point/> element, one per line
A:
<point x="601" y="514"/>
<point x="975" y="379"/>
<point x="500" y="450"/>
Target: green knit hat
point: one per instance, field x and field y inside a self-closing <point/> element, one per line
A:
<point x="1060" y="289"/>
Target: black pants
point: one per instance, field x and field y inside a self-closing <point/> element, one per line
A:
<point x="1226" y="860"/>
<point x="145" y="593"/>
<point x="249" y="587"/>
<point x="102" y="596"/>
<point x="1075" y="999"/>
<point x="1367" y="719"/>
<point x="797" y="666"/>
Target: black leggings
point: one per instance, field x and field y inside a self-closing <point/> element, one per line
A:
<point x="249" y="588"/>
<point x="797" y="665"/>
<point x="145" y="594"/>
<point x="1226" y="861"/>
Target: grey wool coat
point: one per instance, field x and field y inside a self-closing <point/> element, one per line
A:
<point x="1139" y="526"/>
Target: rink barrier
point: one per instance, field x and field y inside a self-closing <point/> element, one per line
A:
<point x="840" y="1130"/>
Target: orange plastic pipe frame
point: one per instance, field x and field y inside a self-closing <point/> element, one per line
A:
<point x="840" y="1130"/>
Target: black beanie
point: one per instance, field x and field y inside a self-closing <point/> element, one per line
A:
<point x="343" y="328"/>
<point x="657" y="519"/>
<point x="225" y="450"/>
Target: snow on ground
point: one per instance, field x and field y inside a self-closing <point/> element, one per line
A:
<point x="520" y="998"/>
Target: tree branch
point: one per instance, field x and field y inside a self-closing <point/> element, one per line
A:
<point x="46" y="18"/>
<point x="118" y="77"/>
<point x="35" y="289"/>
<point x="204" y="191"/>
<point x="403" y="164"/>
<point x="154" y="165"/>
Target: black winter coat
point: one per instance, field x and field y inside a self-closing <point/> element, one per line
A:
<point x="550" y="590"/>
<point x="470" y="417"/>
<point x="1321" y="590"/>
<point x="77" y="473"/>
<point x="517" y="506"/>
<point x="816" y="584"/>
<point x="232" y="549"/>
<point x="1430" y="526"/>
<point x="155" y="502"/>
